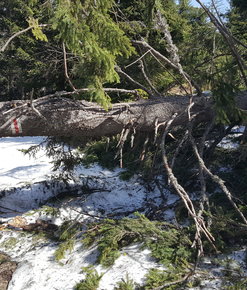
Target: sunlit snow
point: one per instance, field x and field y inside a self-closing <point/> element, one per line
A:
<point x="25" y="186"/>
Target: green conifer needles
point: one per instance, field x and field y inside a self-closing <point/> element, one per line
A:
<point x="167" y="244"/>
<point x="36" y="29"/>
<point x="90" y="33"/>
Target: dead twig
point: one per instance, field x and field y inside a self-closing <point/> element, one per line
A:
<point x="199" y="223"/>
<point x="37" y="112"/>
<point x="124" y="74"/>
<point x="66" y="68"/>
<point x="217" y="180"/>
<point x="3" y="48"/>
<point x="147" y="78"/>
<point x="137" y="60"/>
<point x="169" y="62"/>
<point x="182" y="280"/>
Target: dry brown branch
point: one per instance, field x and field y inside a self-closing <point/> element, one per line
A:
<point x="147" y="78"/>
<point x="66" y="68"/>
<point x="37" y="112"/>
<point x="172" y="75"/>
<point x="199" y="223"/>
<point x="182" y="280"/>
<point x="166" y="60"/>
<point x="217" y="180"/>
<point x="137" y="60"/>
<point x="203" y="197"/>
<point x="123" y="137"/>
<point x="143" y="153"/>
<point x="124" y="74"/>
<point x="228" y="38"/>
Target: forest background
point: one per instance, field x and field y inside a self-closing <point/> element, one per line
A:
<point x="128" y="54"/>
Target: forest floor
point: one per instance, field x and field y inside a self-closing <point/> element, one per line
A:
<point x="28" y="196"/>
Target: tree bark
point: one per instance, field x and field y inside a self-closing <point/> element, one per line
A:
<point x="59" y="116"/>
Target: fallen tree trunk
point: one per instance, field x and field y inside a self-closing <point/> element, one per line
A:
<point x="59" y="116"/>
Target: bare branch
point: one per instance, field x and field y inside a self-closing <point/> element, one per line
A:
<point x="172" y="75"/>
<point x="217" y="180"/>
<point x="182" y="280"/>
<point x="66" y="68"/>
<point x="118" y="69"/>
<point x="170" y="63"/>
<point x="17" y="34"/>
<point x="37" y="112"/>
<point x="229" y="39"/>
<point x="147" y="78"/>
<point x="137" y="60"/>
<point x="199" y="223"/>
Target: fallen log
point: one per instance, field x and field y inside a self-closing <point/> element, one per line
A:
<point x="54" y="115"/>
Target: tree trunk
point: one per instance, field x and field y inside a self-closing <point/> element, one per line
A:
<point x="60" y="116"/>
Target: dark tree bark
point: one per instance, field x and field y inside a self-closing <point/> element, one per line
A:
<point x="60" y="116"/>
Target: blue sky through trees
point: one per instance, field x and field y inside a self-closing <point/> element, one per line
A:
<point x="223" y="5"/>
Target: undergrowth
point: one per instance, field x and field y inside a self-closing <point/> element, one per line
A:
<point x="125" y="284"/>
<point x="91" y="281"/>
<point x="167" y="244"/>
<point x="156" y="278"/>
<point x="67" y="235"/>
<point x="135" y="158"/>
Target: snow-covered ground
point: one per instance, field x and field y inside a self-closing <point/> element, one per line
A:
<point x="17" y="169"/>
<point x="25" y="187"/>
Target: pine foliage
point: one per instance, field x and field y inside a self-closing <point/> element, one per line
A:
<point x="166" y="243"/>
<point x="89" y="32"/>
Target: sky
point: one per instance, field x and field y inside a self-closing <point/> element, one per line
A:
<point x="222" y="5"/>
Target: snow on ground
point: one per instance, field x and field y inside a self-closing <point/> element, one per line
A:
<point x="25" y="186"/>
<point x="23" y="191"/>
<point x="16" y="168"/>
<point x="227" y="142"/>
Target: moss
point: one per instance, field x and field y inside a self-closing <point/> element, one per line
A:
<point x="10" y="243"/>
<point x="38" y="237"/>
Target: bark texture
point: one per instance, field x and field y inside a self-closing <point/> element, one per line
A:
<point x="60" y="116"/>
